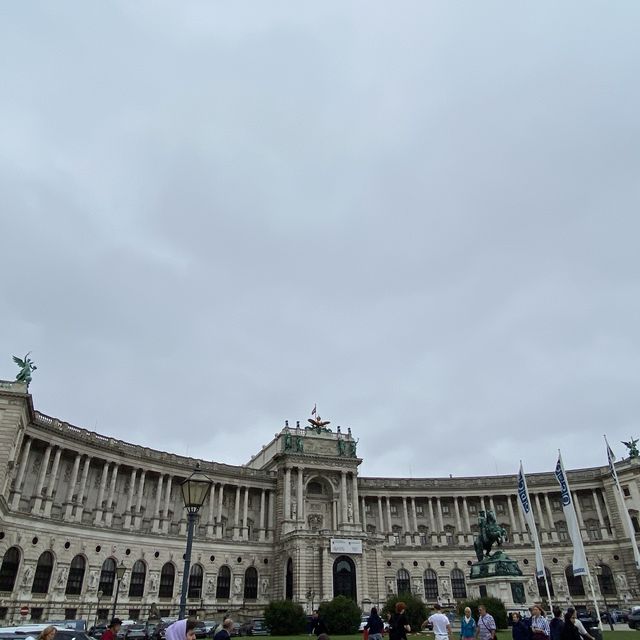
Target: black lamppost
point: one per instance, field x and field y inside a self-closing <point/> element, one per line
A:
<point x="99" y="594"/>
<point x="599" y="573"/>
<point x="120" y="571"/>
<point x="195" y="490"/>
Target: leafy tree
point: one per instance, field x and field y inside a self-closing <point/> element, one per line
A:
<point x="285" y="618"/>
<point x="494" y="606"/>
<point x="416" y="612"/>
<point x="341" y="615"/>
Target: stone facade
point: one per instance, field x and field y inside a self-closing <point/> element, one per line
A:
<point x="75" y="504"/>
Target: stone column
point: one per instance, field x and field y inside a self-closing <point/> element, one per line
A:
<point x="112" y="488"/>
<point x="37" y="504"/>
<point x="380" y="515"/>
<point x="343" y="497"/>
<point x="458" y="520"/>
<point x="440" y="521"/>
<point x="103" y="484"/>
<point x="262" y="527"/>
<point x="390" y="527"/>
<point x="552" y="527"/>
<point x="137" y="521"/>
<point x="465" y="514"/>
<point x="492" y="505"/>
<point x="211" y="515"/>
<point x="364" y="513"/>
<point x="483" y="507"/>
<point x="166" y="525"/>
<point x="272" y="517"/>
<point x="236" y="515"/>
<point x="219" y="531"/>
<point x="155" y="525"/>
<point x="542" y="527"/>
<point x="83" y="486"/>
<point x="405" y="514"/>
<point x="512" y="518"/>
<point x="603" y="527"/>
<point x="432" y="522"/>
<point x="300" y="495"/>
<point x="414" y="515"/>
<point x="334" y="512"/>
<point x="132" y="488"/>
<point x="356" y="499"/>
<point x="245" y="515"/>
<point x="72" y="487"/>
<point x="583" y="529"/>
<point x="15" y="503"/>
<point x="52" y="483"/>
<point x="287" y="493"/>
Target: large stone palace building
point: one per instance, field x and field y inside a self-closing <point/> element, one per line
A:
<point x="296" y="521"/>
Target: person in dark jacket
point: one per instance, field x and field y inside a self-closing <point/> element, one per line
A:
<point x="374" y="625"/>
<point x="556" y="625"/>
<point x="519" y="630"/>
<point x="319" y="625"/>
<point x="569" y="630"/>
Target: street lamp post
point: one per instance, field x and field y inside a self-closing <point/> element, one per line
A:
<point x="599" y="572"/>
<point x="99" y="594"/>
<point x="120" y="571"/>
<point x="195" y="490"/>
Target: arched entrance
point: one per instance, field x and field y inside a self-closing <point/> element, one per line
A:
<point x="288" y="582"/>
<point x="344" y="578"/>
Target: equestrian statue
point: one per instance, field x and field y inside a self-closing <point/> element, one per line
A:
<point x="490" y="533"/>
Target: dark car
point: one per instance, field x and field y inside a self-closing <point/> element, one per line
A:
<point x="633" y="619"/>
<point x="200" y="629"/>
<point x="137" y="632"/>
<point x="259" y="628"/>
<point x="97" y="631"/>
<point x="235" y="630"/>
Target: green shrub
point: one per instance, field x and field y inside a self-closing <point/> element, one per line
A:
<point x="285" y="618"/>
<point x="416" y="611"/>
<point x="494" y="606"/>
<point x="341" y="615"/>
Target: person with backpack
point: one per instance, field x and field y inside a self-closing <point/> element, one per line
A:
<point x="375" y="625"/>
<point x="399" y="624"/>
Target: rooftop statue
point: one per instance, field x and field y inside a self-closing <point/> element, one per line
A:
<point x="319" y="425"/>
<point x="27" y="367"/>
<point x="632" y="446"/>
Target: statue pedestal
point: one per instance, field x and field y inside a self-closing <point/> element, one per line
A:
<point x="500" y="577"/>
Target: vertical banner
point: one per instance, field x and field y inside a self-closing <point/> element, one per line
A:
<point x="580" y="567"/>
<point x="625" y="513"/>
<point x="525" y="506"/>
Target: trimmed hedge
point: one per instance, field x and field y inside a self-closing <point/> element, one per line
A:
<point x="285" y="618"/>
<point x="341" y="615"/>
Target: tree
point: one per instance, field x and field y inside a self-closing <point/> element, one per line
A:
<point x="341" y="615"/>
<point x="285" y="618"/>
<point x="494" y="606"/>
<point x="416" y="611"/>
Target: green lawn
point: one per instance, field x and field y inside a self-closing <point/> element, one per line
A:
<point x="502" y="635"/>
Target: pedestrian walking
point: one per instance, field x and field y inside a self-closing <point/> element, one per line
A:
<point x="467" y="625"/>
<point x="486" y="627"/>
<point x="375" y="625"/>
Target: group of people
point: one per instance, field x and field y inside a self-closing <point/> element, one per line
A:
<point x="561" y="627"/>
<point x="184" y="629"/>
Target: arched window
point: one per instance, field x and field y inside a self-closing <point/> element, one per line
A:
<point x="430" y="585"/>
<point x="542" y="589"/>
<point x="289" y="580"/>
<point x="195" y="582"/>
<point x="76" y="576"/>
<point x="250" y="584"/>
<point x="9" y="569"/>
<point x="314" y="488"/>
<point x="44" y="569"/>
<point x="575" y="584"/>
<point x="344" y="578"/>
<point x="167" y="580"/>
<point x="107" y="577"/>
<point x="606" y="581"/>
<point x="138" y="577"/>
<point x="403" y="580"/>
<point x="223" y="586"/>
<point x="458" y="585"/>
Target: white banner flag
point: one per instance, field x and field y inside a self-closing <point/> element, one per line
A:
<point x="525" y="506"/>
<point x="580" y="567"/>
<point x="625" y="515"/>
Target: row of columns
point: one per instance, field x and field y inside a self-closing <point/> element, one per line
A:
<point x="436" y="527"/>
<point x="103" y="512"/>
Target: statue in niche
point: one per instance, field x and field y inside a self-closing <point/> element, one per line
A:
<point x="350" y="512"/>
<point x="390" y="586"/>
<point x="531" y="587"/>
<point x="237" y="585"/>
<point x="288" y="444"/>
<point x="315" y="521"/>
<point x="622" y="582"/>
<point x="153" y="583"/>
<point x="93" y="580"/>
<point x="61" y="580"/>
<point x="265" y="586"/>
<point x="417" y="586"/>
<point x="294" y="511"/>
<point x="27" y="577"/>
<point x="299" y="445"/>
<point x="211" y="585"/>
<point x="342" y="449"/>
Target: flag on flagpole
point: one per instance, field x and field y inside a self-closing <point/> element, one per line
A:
<point x="313" y="413"/>
<point x="580" y="567"/>
<point x="525" y="506"/>
<point x="625" y="513"/>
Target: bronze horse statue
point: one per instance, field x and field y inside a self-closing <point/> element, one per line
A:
<point x="490" y="533"/>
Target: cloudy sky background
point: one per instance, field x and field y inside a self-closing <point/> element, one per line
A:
<point x="422" y="216"/>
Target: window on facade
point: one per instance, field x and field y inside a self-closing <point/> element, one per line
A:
<point x="371" y="528"/>
<point x="561" y="529"/>
<point x="250" y="584"/>
<point x="70" y="614"/>
<point x="138" y="577"/>
<point x="396" y="533"/>
<point x="593" y="530"/>
<point x="419" y="510"/>
<point x="473" y="508"/>
<point x="542" y="589"/>
<point x="458" y="585"/>
<point x="403" y="581"/>
<point x="626" y="492"/>
<point x="587" y="503"/>
<point x="36" y="613"/>
<point x="499" y="507"/>
<point x="103" y="614"/>
<point x="556" y="505"/>
<point x="445" y="509"/>
<point x="3" y="613"/>
<point x="76" y="577"/>
<point x="223" y="585"/>
<point x="634" y="521"/>
<point x="314" y="488"/>
<point x="575" y="584"/>
<point x="430" y="585"/>
<point x="107" y="577"/>
<point x="449" y="535"/>
<point x="42" y="577"/>
<point x="606" y="581"/>
<point x="367" y="508"/>
<point x="167" y="579"/>
<point x="195" y="582"/>
<point x="134" y="614"/>
<point x="394" y="509"/>
<point x="9" y="569"/>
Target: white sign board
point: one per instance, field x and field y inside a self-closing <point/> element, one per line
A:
<point x="345" y="545"/>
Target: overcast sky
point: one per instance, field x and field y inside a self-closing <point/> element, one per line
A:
<point x="424" y="216"/>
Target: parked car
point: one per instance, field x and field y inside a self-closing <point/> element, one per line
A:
<point x="137" y="632"/>
<point x="260" y="628"/>
<point x="633" y="619"/>
<point x="617" y="615"/>
<point x="200" y="629"/>
<point x="235" y="631"/>
<point x="97" y="630"/>
<point x="209" y="625"/>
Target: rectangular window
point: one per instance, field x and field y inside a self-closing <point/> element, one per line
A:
<point x="394" y="510"/>
<point x="3" y="612"/>
<point x="70" y="614"/>
<point x="419" y="510"/>
<point x="556" y="505"/>
<point x="445" y="509"/>
<point x="423" y="539"/>
<point x="367" y="508"/>
<point x="134" y="614"/>
<point x="587" y="503"/>
<point x="450" y="541"/>
<point x="36" y="613"/>
<point x="396" y="538"/>
<point x="103" y="614"/>
<point x="626" y="492"/>
<point x="594" y="534"/>
<point x="473" y="508"/>
<point x="164" y="613"/>
<point x="500" y="508"/>
<point x="563" y="536"/>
